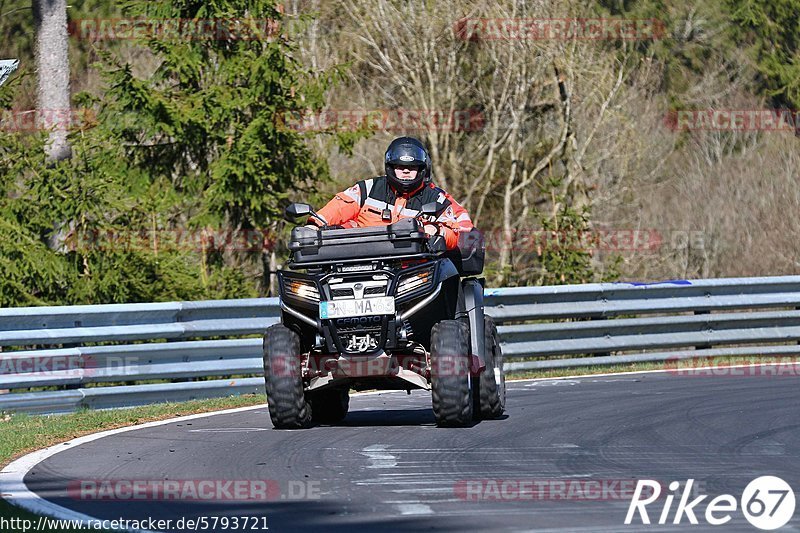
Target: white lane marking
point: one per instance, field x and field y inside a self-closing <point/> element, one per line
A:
<point x="226" y="430"/>
<point x="554" y="382"/>
<point x="379" y="456"/>
<point x="531" y="381"/>
<point x="430" y="491"/>
<point x="395" y="502"/>
<point x="414" y="509"/>
<point x="14" y="490"/>
<point x="494" y="450"/>
<point x="393" y="482"/>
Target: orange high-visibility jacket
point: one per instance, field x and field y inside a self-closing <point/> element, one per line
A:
<point x="373" y="202"/>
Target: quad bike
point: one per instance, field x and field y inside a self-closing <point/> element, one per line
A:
<point x="384" y="308"/>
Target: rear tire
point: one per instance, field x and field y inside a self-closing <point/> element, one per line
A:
<point x="451" y="383"/>
<point x="283" y="379"/>
<point x="493" y="379"/>
<point x="330" y="406"/>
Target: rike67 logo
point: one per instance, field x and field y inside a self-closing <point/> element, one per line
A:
<point x="767" y="503"/>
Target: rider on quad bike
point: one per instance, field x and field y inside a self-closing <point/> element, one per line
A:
<point x="399" y="194"/>
<point x="389" y="300"/>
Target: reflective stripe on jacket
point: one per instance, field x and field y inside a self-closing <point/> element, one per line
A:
<point x="381" y="206"/>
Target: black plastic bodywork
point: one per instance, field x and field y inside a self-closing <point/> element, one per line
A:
<point x="311" y="247"/>
<point x="341" y="257"/>
<point x="445" y="305"/>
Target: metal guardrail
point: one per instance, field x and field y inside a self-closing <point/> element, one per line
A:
<point x="604" y="323"/>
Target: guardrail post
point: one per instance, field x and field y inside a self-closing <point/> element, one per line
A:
<point x="702" y="346"/>
<point x="600" y="354"/>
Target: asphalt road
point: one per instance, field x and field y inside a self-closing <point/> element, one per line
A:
<point x="388" y="466"/>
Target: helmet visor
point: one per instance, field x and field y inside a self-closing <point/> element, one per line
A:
<point x="406" y="155"/>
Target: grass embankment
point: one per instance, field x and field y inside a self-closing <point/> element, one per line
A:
<point x="21" y="433"/>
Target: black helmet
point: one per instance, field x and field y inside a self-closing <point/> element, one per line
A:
<point x="407" y="151"/>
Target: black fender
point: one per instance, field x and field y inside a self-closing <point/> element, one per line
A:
<point x="446" y="270"/>
<point x="472" y="306"/>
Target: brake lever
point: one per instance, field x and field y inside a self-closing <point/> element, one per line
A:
<point x="436" y="244"/>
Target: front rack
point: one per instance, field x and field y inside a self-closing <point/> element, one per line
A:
<point x="402" y="240"/>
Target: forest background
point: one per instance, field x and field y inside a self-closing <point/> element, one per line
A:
<point x="581" y="159"/>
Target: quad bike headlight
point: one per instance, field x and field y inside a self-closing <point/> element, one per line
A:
<point x="416" y="283"/>
<point x="302" y="290"/>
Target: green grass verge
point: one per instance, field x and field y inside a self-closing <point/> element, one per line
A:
<point x="21" y="433"/>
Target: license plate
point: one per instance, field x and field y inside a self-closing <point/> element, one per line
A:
<point x="382" y="305"/>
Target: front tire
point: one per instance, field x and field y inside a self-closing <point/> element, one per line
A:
<point x="451" y="383"/>
<point x="283" y="379"/>
<point x="493" y="379"/>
